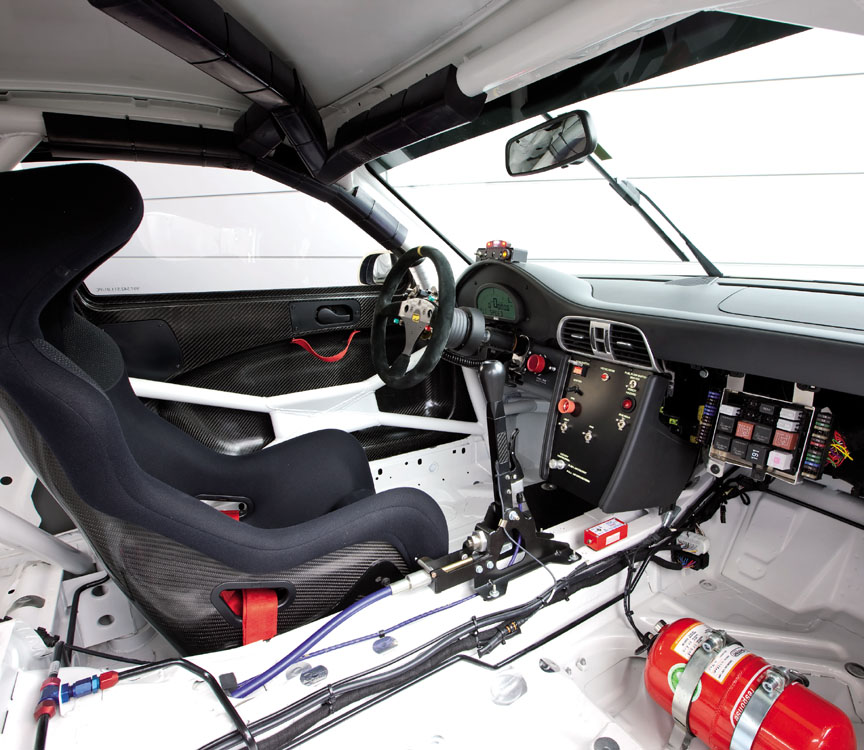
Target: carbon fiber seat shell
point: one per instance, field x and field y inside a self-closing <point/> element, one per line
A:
<point x="129" y="479"/>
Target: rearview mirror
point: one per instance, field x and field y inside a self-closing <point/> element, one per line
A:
<point x="564" y="140"/>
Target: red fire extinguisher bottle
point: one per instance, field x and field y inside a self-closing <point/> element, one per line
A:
<point x="799" y="719"/>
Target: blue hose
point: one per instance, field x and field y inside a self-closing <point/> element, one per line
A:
<point x="389" y="630"/>
<point x="253" y="683"/>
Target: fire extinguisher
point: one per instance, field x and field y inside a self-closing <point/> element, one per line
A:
<point x="734" y="700"/>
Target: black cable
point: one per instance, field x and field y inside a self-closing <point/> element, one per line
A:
<point x="803" y="504"/>
<point x="406" y="674"/>
<point x="379" y="698"/>
<point x="339" y="701"/>
<point x="629" y="586"/>
<point x="41" y="732"/>
<point x="461" y="360"/>
<point x="106" y="655"/>
<point x="562" y="589"/>
<point x="543" y="641"/>
<point x="437" y="666"/>
<point x="42" y="722"/>
<point x="204" y="675"/>
<point x="73" y="611"/>
<point x="668" y="564"/>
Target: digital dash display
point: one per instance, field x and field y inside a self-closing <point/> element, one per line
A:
<point x="495" y="302"/>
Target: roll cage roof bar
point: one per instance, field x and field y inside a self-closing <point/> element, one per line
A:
<point x="281" y="134"/>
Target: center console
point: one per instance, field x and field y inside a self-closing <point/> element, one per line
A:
<point x="607" y="444"/>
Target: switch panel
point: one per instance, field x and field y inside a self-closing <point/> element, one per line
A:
<point x="596" y="413"/>
<point x="611" y="449"/>
<point x="761" y="433"/>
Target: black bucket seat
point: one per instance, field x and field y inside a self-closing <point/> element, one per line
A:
<point x="317" y="532"/>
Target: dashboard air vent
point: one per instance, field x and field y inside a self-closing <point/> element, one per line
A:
<point x="628" y="345"/>
<point x="575" y="335"/>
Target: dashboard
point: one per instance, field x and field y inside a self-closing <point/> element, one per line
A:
<point x="637" y="372"/>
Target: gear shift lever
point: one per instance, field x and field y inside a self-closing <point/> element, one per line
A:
<point x="490" y="555"/>
<point x="492" y="377"/>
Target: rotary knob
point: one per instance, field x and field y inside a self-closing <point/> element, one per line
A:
<point x="536" y="363"/>
<point x="569" y="406"/>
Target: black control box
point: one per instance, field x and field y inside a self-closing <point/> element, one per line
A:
<point x="609" y="446"/>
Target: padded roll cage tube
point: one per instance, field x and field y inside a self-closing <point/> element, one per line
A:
<point x="202" y="34"/>
<point x="205" y="36"/>
<point x="84" y="137"/>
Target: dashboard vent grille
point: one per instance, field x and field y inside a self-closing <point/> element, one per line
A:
<point x="575" y="336"/>
<point x="628" y="345"/>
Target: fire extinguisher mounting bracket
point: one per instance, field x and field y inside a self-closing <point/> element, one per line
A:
<point x="774" y="682"/>
<point x="712" y="644"/>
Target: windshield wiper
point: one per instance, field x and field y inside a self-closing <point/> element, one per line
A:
<point x="631" y="194"/>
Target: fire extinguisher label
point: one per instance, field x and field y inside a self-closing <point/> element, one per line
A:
<point x="690" y="640"/>
<point x="722" y="664"/>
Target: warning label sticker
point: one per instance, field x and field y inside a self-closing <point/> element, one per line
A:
<point x="690" y="640"/>
<point x="606" y="527"/>
<point x="725" y="662"/>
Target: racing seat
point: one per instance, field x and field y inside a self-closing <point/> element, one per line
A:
<point x="316" y="531"/>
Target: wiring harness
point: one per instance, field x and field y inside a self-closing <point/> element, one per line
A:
<point x="315" y="713"/>
<point x="340" y="700"/>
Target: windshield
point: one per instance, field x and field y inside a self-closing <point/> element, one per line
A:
<point x="757" y="156"/>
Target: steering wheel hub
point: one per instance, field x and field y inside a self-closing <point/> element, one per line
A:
<point x="424" y="315"/>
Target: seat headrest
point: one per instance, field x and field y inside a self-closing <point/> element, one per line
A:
<point x="56" y="225"/>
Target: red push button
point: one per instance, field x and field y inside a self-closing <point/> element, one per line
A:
<point x="536" y="363"/>
<point x="605" y="376"/>
<point x="628" y="404"/>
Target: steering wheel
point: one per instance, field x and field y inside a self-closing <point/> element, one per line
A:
<point x="428" y="313"/>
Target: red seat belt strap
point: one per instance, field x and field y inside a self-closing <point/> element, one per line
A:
<point x="257" y="607"/>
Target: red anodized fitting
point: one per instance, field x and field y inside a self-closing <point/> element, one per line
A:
<point x="49" y="698"/>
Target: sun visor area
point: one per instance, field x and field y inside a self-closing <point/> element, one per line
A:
<point x="426" y="108"/>
<point x="205" y="36"/>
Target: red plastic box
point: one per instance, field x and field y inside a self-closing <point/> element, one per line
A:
<point x="603" y="534"/>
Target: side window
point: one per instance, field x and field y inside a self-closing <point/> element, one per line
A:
<point x="220" y="230"/>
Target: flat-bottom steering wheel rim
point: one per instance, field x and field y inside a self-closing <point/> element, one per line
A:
<point x="396" y="375"/>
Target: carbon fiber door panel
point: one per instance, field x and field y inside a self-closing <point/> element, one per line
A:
<point x="242" y="343"/>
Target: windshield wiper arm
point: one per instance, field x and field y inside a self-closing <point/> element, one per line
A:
<point x="631" y="194"/>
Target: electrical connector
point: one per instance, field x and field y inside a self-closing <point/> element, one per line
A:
<point x="694" y="543"/>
